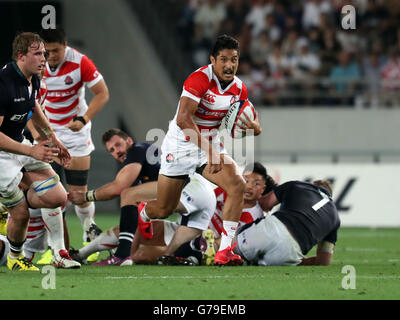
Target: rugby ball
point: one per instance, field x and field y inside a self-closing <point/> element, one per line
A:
<point x="235" y="112"/>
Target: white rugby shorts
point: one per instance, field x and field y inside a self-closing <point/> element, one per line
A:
<point x="79" y="143"/>
<point x="269" y="243"/>
<point x="180" y="156"/>
<point x="11" y="165"/>
<point x="199" y="200"/>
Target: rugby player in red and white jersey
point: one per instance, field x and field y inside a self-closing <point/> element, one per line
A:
<point x="192" y="142"/>
<point x="258" y="182"/>
<point x="67" y="73"/>
<point x="42" y="230"/>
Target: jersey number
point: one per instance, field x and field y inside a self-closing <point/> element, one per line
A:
<point x="325" y="199"/>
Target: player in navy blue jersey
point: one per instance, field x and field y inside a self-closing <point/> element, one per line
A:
<point x="137" y="182"/>
<point x="19" y="86"/>
<point x="140" y="166"/>
<point x="307" y="217"/>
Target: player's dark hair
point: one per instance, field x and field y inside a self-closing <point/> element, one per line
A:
<point x="224" y="42"/>
<point x="54" y="35"/>
<point x="113" y="132"/>
<point x="270" y="184"/>
<point x="22" y="43"/>
<point x="258" y="168"/>
<point x="324" y="183"/>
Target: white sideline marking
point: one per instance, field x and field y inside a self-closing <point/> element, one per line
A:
<point x="296" y="276"/>
<point x="370" y="234"/>
<point x="364" y="249"/>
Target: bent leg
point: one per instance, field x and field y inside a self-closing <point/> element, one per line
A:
<point x="168" y="196"/>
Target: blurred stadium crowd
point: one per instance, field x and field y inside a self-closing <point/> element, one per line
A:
<point x="295" y="52"/>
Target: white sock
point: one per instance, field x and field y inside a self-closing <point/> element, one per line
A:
<point x="53" y="222"/>
<point x="143" y="215"/>
<point x="105" y="241"/>
<point x="86" y="217"/>
<point x="230" y="228"/>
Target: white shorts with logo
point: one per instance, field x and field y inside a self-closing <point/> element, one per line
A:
<point x="199" y="200"/>
<point x="11" y="165"/>
<point x="268" y="243"/>
<point x="180" y="156"/>
<point x="79" y="143"/>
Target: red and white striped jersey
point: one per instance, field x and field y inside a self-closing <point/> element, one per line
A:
<point x="36" y="225"/>
<point x="66" y="91"/>
<point x="204" y="87"/>
<point x="41" y="97"/>
<point x="248" y="214"/>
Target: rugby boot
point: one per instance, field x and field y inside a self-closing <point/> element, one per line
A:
<point x="62" y="260"/>
<point x="226" y="257"/>
<point x="20" y="264"/>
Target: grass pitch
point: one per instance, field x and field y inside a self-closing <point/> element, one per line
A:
<point x="374" y="254"/>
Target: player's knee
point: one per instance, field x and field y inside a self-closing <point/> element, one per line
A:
<point x="57" y="199"/>
<point x="164" y="211"/>
<point x="128" y="197"/>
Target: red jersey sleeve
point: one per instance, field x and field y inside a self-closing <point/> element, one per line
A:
<point x="243" y="94"/>
<point x="89" y="71"/>
<point x="196" y="84"/>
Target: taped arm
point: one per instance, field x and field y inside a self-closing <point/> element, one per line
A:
<point x="124" y="179"/>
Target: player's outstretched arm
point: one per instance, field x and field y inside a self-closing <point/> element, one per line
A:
<point x="124" y="179"/>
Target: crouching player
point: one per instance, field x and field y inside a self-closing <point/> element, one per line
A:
<point x="258" y="182"/>
<point x="307" y="216"/>
<point x="196" y="206"/>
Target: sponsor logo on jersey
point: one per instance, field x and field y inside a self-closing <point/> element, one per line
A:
<point x="201" y="111"/>
<point x="170" y="158"/>
<point x="68" y="80"/>
<point x="234" y="99"/>
<point x="209" y="98"/>
<point x="18" y="117"/>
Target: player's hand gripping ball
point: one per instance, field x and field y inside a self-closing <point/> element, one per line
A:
<point x="236" y="111"/>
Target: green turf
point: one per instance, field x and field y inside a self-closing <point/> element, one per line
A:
<point x="374" y="253"/>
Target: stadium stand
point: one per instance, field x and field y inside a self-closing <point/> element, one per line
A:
<point x="293" y="53"/>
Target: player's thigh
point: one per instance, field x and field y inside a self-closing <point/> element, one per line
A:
<point x="141" y="193"/>
<point x="229" y="178"/>
<point x="169" y="191"/>
<point x="80" y="163"/>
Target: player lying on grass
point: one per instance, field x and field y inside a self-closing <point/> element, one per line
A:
<point x="196" y="206"/>
<point x="258" y="182"/>
<point x="307" y="216"/>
